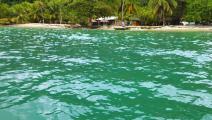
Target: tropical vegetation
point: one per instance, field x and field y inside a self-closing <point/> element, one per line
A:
<point x="150" y="12"/>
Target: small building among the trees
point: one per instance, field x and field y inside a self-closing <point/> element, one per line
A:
<point x="135" y="22"/>
<point x="104" y="21"/>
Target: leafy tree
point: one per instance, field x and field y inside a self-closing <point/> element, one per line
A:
<point x="163" y="8"/>
<point x="199" y="11"/>
<point x="22" y="12"/>
<point x="5" y="10"/>
<point x="150" y="12"/>
<point x="39" y="8"/>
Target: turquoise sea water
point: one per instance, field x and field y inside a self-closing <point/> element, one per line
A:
<point x="62" y="74"/>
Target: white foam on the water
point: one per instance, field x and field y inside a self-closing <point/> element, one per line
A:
<point x="2" y="54"/>
<point x="201" y="58"/>
<point x="207" y="117"/>
<point x="203" y="82"/>
<point x="209" y="43"/>
<point x="202" y="75"/>
<point x="173" y="93"/>
<point x="81" y="60"/>
<point x="21" y="75"/>
<point x="80" y="37"/>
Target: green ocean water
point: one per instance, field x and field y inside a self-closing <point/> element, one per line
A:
<point x="63" y="74"/>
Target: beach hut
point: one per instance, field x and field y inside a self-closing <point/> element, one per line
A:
<point x="135" y="22"/>
<point x="111" y="20"/>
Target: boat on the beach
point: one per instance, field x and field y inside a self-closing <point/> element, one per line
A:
<point x="121" y="28"/>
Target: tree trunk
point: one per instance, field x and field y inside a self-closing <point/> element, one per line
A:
<point x="122" y="11"/>
<point x="42" y="15"/>
<point x="90" y="21"/>
<point x="164" y="19"/>
<point x="61" y="17"/>
<point x="50" y="20"/>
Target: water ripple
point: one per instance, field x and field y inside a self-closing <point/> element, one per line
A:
<point x="66" y="74"/>
<point x="186" y="96"/>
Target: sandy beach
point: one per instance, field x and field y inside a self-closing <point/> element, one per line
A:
<point x="131" y="28"/>
<point x="183" y="28"/>
<point x="40" y="25"/>
<point x="169" y="28"/>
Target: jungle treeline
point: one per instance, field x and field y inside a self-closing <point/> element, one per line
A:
<point x="149" y="12"/>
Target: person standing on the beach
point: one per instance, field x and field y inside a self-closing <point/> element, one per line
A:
<point x="122" y="24"/>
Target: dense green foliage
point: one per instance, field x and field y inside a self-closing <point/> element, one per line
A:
<point x="150" y="12"/>
<point x="199" y="11"/>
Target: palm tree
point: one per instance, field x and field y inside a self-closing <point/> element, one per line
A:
<point x="127" y="7"/>
<point x="162" y="8"/>
<point x="130" y="7"/>
<point x="39" y="7"/>
<point x="122" y="9"/>
<point x="57" y="8"/>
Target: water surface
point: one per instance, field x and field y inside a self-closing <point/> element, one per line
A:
<point x="61" y="74"/>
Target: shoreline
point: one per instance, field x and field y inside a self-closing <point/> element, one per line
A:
<point x="170" y="28"/>
<point x="176" y="28"/>
<point x="39" y="25"/>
